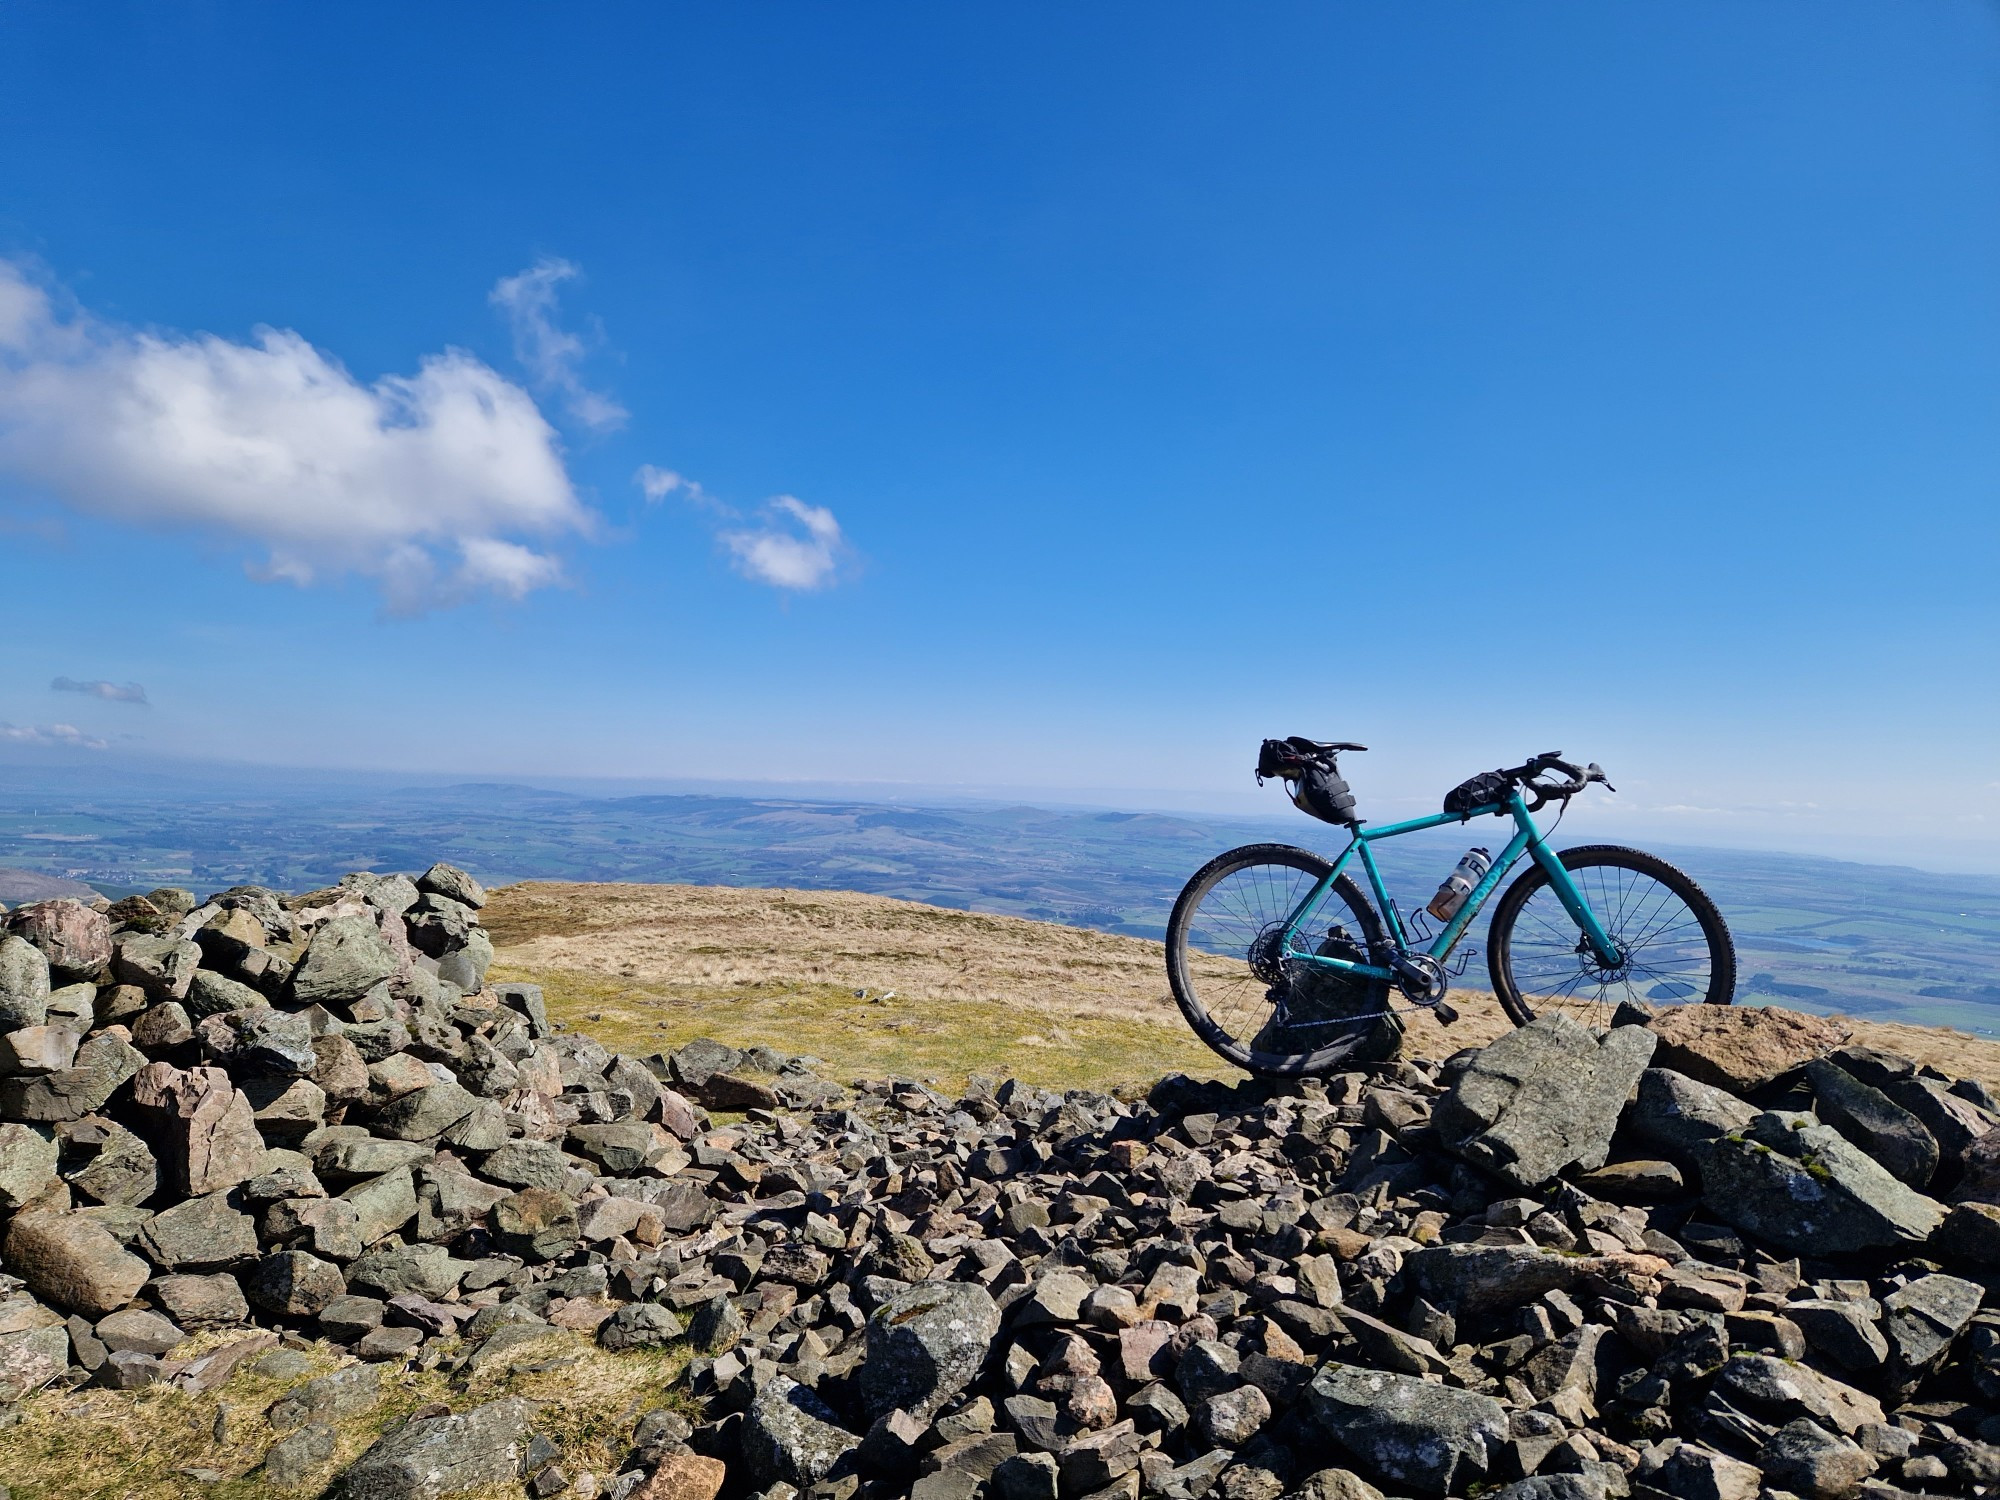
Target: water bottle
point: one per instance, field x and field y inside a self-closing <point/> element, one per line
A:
<point x="1459" y="883"/>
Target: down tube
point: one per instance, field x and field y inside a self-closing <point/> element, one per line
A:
<point x="1578" y="908"/>
<point x="1462" y="919"/>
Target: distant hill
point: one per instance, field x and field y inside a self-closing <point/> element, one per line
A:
<point x="17" y="886"/>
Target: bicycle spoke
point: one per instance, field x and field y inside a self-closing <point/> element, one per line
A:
<point x="1664" y="947"/>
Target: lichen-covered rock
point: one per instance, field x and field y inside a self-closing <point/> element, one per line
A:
<point x="1780" y="1391"/>
<point x="293" y="1284"/>
<point x="1408" y="1433"/>
<point x="24" y="984"/>
<point x="293" y="1460"/>
<point x="1542" y="1098"/>
<point x="106" y="1163"/>
<point x="1803" y="1186"/>
<point x="162" y="966"/>
<point x="452" y="883"/>
<point x="34" y="1350"/>
<point x="27" y="1165"/>
<point x="200" y="1234"/>
<point x="347" y="957"/>
<point x="926" y="1345"/>
<point x="103" y="1064"/>
<point x="1874" y="1122"/>
<point x="438" y="1456"/>
<point x="1923" y="1317"/>
<point x="792" y="1437"/>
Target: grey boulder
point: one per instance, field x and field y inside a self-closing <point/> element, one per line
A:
<point x="792" y="1437"/>
<point x="1922" y="1318"/>
<point x="452" y="883"/>
<point x="1804" y="1186"/>
<point x="1874" y="1122"/>
<point x="27" y="1165"/>
<point x="163" y="967"/>
<point x="437" y="1456"/>
<point x="24" y="984"/>
<point x="1544" y="1097"/>
<point x="1405" y="1432"/>
<point x="926" y="1345"/>
<point x="347" y="957"/>
<point x="1682" y="1113"/>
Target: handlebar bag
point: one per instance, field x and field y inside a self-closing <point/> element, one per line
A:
<point x="1483" y="790"/>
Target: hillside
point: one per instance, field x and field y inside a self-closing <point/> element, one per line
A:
<point x="17" y="886"/>
<point x="877" y="985"/>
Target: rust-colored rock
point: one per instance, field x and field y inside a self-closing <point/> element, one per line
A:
<point x="75" y="939"/>
<point x="684" y="1476"/>
<point x="210" y="1122"/>
<point x="1740" y="1048"/>
<point x="73" y="1262"/>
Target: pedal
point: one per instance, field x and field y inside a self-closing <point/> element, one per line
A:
<point x="1446" y="1013"/>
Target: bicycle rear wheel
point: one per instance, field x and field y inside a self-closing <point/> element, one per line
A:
<point x="1677" y="949"/>
<point x="1253" y="1000"/>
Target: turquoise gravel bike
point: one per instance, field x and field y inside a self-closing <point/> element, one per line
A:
<point x="1284" y="965"/>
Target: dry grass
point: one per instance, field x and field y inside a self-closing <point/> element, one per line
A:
<point x="646" y="967"/>
<point x="721" y="936"/>
<point x="111" y="1445"/>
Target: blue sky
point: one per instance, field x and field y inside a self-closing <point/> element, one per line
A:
<point x="1464" y="380"/>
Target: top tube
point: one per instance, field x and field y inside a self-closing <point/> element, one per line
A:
<point x="1435" y="820"/>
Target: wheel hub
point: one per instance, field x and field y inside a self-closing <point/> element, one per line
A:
<point x="1599" y="971"/>
<point x="1266" y="955"/>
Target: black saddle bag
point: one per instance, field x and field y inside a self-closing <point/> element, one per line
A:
<point x="1483" y="790"/>
<point x="1313" y="781"/>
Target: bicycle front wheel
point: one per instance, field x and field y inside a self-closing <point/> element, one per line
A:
<point x="1674" y="947"/>
<point x="1251" y="992"/>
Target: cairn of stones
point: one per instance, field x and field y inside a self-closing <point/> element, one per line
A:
<point x="1701" y="1253"/>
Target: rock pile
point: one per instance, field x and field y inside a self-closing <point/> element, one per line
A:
<point x="1708" y="1254"/>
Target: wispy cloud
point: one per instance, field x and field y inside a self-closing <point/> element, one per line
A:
<point x="792" y="545"/>
<point x="657" y="483"/>
<point x="798" y="547"/>
<point x="422" y="483"/>
<point x="51" y="734"/>
<point x="111" y="692"/>
<point x="550" y="352"/>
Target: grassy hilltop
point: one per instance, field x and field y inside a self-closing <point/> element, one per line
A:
<point x="875" y="985"/>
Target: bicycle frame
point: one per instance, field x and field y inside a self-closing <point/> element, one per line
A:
<point x="1527" y="839"/>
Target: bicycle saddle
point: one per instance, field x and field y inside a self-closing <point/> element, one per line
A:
<point x="1300" y="742"/>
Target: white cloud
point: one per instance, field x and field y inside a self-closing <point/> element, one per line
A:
<point x="657" y="483"/>
<point x="415" y="481"/>
<point x="550" y="352"/>
<point x="51" y="734"/>
<point x="799" y="546"/>
<point x="111" y="692"/>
